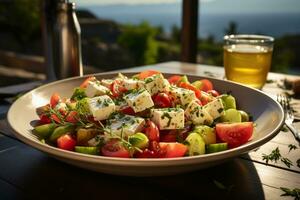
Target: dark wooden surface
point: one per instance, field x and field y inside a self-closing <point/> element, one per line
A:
<point x="26" y="173"/>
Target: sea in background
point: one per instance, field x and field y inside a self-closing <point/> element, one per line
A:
<point x="212" y="22"/>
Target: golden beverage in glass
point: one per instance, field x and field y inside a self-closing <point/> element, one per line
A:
<point x="247" y="59"/>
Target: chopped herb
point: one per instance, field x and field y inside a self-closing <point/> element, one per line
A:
<point x="149" y="80"/>
<point x="275" y="155"/>
<point x="298" y="163"/>
<point x="292" y="147"/>
<point x="291" y="192"/>
<point x="220" y="110"/>
<point x="165" y="114"/>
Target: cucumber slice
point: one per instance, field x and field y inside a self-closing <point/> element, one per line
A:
<point x="197" y="84"/>
<point x="45" y="130"/>
<point x="184" y="79"/>
<point x="139" y="140"/>
<point x="207" y="133"/>
<point x="196" y="144"/>
<point x="228" y="101"/>
<point x="231" y="115"/>
<point x="59" y="131"/>
<point x="244" y="115"/>
<point x="213" y="148"/>
<point x="87" y="150"/>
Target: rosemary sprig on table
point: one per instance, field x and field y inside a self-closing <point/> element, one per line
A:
<point x="291" y="192"/>
<point x="292" y="147"/>
<point x="274" y="156"/>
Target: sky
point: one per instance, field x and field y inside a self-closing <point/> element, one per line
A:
<point x="216" y="6"/>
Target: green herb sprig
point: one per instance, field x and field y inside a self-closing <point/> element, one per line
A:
<point x="291" y="192"/>
<point x="275" y="155"/>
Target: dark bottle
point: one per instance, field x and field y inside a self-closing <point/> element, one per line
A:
<point x="62" y="40"/>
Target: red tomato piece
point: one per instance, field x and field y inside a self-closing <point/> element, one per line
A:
<point x="154" y="151"/>
<point x="205" y="98"/>
<point x="162" y="100"/>
<point x="214" y="93"/>
<point x="55" y="118"/>
<point x="72" y="117"/>
<point x="191" y="87"/>
<point x="235" y="134"/>
<point x="127" y="110"/>
<point x="114" y="148"/>
<point x="173" y="149"/>
<point x="44" y="119"/>
<point x="85" y="83"/>
<point x="147" y="73"/>
<point x="54" y="100"/>
<point x="174" y="79"/>
<point x="66" y="142"/>
<point x="151" y="130"/>
<point x="206" y="85"/>
<point x="117" y="88"/>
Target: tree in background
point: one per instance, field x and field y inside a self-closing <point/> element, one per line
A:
<point x="21" y="19"/>
<point x="140" y="41"/>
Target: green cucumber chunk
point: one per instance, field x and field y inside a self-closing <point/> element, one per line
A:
<point x="228" y="101"/>
<point x="197" y="84"/>
<point x="213" y="148"/>
<point x="244" y="115"/>
<point x="184" y="79"/>
<point x="87" y="150"/>
<point x="196" y="144"/>
<point x="45" y="130"/>
<point x="139" y="140"/>
<point x="231" y="115"/>
<point x="207" y="133"/>
<point x="59" y="131"/>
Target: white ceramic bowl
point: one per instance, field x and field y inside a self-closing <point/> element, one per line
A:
<point x="267" y="113"/>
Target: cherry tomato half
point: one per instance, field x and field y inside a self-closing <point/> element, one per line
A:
<point x="206" y="85"/>
<point x="191" y="87"/>
<point x="173" y="149"/>
<point x="154" y="151"/>
<point x="85" y="83"/>
<point x="44" y="119"/>
<point x="114" y="148"/>
<point x="174" y="79"/>
<point x="117" y="88"/>
<point x="235" y="134"/>
<point x="72" y="117"/>
<point x="147" y="73"/>
<point x="127" y="110"/>
<point x="151" y="130"/>
<point x="54" y="100"/>
<point x="66" y="142"/>
<point x="162" y="100"/>
<point x="214" y="93"/>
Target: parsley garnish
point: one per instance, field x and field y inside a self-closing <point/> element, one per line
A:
<point x="275" y="155"/>
<point x="292" y="147"/>
<point x="291" y="192"/>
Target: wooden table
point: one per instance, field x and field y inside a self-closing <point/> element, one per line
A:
<point x="26" y="173"/>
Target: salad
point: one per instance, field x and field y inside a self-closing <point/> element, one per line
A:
<point x="144" y="116"/>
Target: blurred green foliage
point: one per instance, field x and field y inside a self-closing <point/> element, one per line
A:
<point x="140" y="41"/>
<point x="21" y="18"/>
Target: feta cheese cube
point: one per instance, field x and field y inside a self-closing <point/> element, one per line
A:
<point x="182" y="96"/>
<point x="197" y="114"/>
<point x="156" y="83"/>
<point x="125" y="125"/>
<point x="131" y="84"/>
<point x="61" y="106"/>
<point x="139" y="100"/>
<point x="94" y="88"/>
<point x="101" y="107"/>
<point x="120" y="103"/>
<point x="107" y="82"/>
<point x="168" y="118"/>
<point x="215" y="108"/>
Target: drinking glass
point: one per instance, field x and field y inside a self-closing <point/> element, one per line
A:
<point x="247" y="58"/>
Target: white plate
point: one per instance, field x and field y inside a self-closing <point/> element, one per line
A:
<point x="267" y="113"/>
